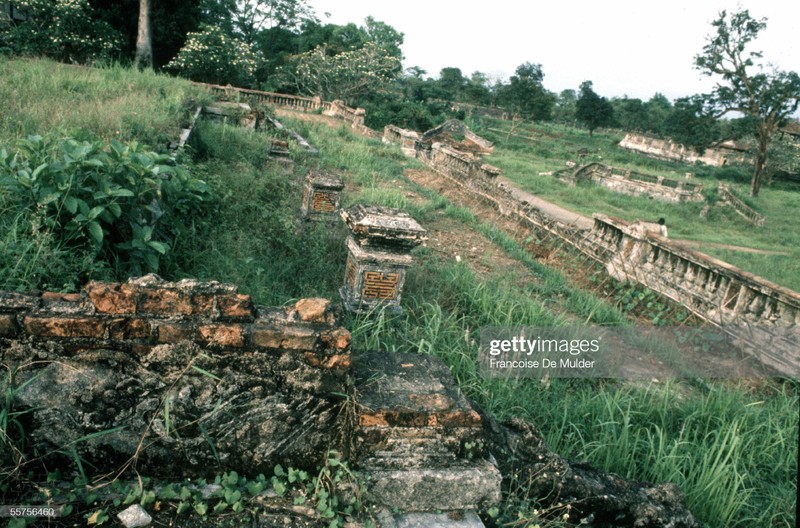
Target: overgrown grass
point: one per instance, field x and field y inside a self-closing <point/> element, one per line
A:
<point x="41" y="96"/>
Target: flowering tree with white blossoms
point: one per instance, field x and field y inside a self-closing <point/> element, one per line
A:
<point x="214" y="56"/>
<point x="347" y="75"/>
<point x="62" y="29"/>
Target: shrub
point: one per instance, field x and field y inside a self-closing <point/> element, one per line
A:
<point x="123" y="204"/>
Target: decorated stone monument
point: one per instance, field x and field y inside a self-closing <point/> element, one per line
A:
<point x="378" y="255"/>
<point x="322" y="195"/>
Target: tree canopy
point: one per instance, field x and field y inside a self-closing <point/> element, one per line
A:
<point x="592" y="110"/>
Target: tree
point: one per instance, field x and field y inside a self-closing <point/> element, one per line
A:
<point x="144" y="42"/>
<point x="592" y="110"/>
<point x="67" y="31"/>
<point x="347" y="75"/>
<point x="690" y="126"/>
<point x="768" y="95"/>
<point x="213" y="56"/>
<point x="525" y="94"/>
<point x="564" y="110"/>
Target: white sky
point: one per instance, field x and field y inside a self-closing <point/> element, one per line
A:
<point x="626" y="47"/>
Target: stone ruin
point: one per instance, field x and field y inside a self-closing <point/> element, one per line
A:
<point x="188" y="378"/>
<point x="635" y="183"/>
<point x="471" y="142"/>
<point x="322" y="195"/>
<point x="666" y="149"/>
<point x="763" y="318"/>
<point x="378" y="256"/>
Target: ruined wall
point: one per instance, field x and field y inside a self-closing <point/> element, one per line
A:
<point x="762" y="316"/>
<point x="669" y="150"/>
<point x="639" y="184"/>
<point x="354" y="116"/>
<point x="186" y="377"/>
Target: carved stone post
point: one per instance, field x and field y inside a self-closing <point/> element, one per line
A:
<point x="322" y="195"/>
<point x="378" y="256"/>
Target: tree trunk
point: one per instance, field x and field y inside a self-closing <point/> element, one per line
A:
<point x="144" y="44"/>
<point x="761" y="160"/>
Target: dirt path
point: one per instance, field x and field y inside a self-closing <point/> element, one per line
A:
<point x="694" y="244"/>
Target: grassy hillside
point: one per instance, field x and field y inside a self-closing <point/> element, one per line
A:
<point x="732" y="446"/>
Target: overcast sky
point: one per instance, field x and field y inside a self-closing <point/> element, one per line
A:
<point x="626" y="47"/>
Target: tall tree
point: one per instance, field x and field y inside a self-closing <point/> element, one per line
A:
<point x="767" y="94"/>
<point x="525" y="94"/>
<point x="592" y="110"/>
<point x="144" y="42"/>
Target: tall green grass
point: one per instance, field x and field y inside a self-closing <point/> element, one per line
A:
<point x="42" y="96"/>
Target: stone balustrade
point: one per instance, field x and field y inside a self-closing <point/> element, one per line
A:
<point x="294" y="102"/>
<point x="638" y="184"/>
<point x="408" y="140"/>
<point x="764" y="317"/>
<point x="669" y="150"/>
<point x="744" y="210"/>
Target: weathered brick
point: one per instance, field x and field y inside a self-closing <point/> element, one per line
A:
<point x="203" y="304"/>
<point x="163" y="301"/>
<point x="314" y="310"/>
<point x="18" y="301"/>
<point x="373" y="420"/>
<point x="338" y="339"/>
<point x="169" y="332"/>
<point x="8" y="326"/>
<point x="63" y="303"/>
<point x="59" y="297"/>
<point x="222" y="335"/>
<point x="129" y="329"/>
<point x="64" y="327"/>
<point x="285" y="337"/>
<point x="112" y="298"/>
<point x="328" y="362"/>
<point x="460" y="419"/>
<point x="235" y="305"/>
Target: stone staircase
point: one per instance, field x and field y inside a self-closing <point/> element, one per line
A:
<point x="418" y="441"/>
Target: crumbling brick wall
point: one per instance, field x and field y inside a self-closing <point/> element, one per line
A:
<point x="191" y="370"/>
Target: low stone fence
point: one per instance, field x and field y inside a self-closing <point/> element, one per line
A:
<point x="294" y="102"/>
<point x="408" y="140"/>
<point x="744" y="210"/>
<point x="638" y="184"/>
<point x="669" y="150"/>
<point x="764" y="317"/>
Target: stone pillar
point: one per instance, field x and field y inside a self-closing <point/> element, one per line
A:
<point x="378" y="256"/>
<point x="322" y="195"/>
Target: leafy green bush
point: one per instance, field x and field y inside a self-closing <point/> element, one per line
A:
<point x="123" y="204"/>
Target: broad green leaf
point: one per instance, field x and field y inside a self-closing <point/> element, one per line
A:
<point x="71" y="204"/>
<point x="158" y="246"/>
<point x="96" y="231"/>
